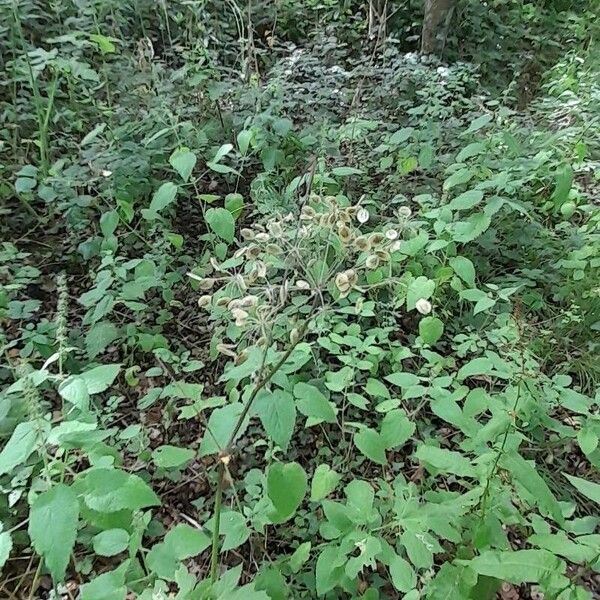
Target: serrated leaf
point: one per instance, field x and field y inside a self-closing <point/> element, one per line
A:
<point x="324" y="481"/>
<point x="522" y="566"/>
<point x="458" y="178"/>
<point x="371" y="444"/>
<point x="53" y="520"/>
<point x="431" y="329"/>
<point x="221" y="222"/>
<point x="183" y="161"/>
<point x="19" y="447"/>
<point x="419" y="288"/>
<point x="99" y="337"/>
<point x="277" y="413"/>
<point x="478" y="123"/>
<point x="286" y="487"/>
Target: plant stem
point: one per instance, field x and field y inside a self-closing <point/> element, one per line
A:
<point x="225" y="454"/>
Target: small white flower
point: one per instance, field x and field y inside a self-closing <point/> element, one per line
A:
<point x="362" y="215"/>
<point x="391" y="234"/>
<point x="423" y="306"/>
<point x="106" y="173"/>
<point x="405" y="211"/>
<point x="443" y="71"/>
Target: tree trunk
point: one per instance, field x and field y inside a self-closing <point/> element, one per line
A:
<point x="436" y="22"/>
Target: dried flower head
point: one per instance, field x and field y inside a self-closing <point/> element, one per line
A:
<point x="423" y="306"/>
<point x="405" y="212"/>
<point x="262" y="237"/>
<point x="376" y="238"/>
<point x="362" y="243"/>
<point x="240" y="316"/>
<point x="344" y="233"/>
<point x="247" y="234"/>
<point x="301" y="284"/>
<point x="308" y="213"/>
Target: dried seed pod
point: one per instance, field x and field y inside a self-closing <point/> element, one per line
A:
<point x="294" y="335"/>
<point x="253" y="251"/>
<point x="206" y="284"/>
<point x="391" y="234"/>
<point x="273" y="249"/>
<point x="262" y="237"/>
<point x="308" y="213"/>
<point x="242" y="357"/>
<point x="372" y="261"/>
<point x="301" y="284"/>
<point x="261" y="269"/>
<point x="247" y="234"/>
<point x="223" y="301"/>
<point x="249" y="301"/>
<point x="342" y="283"/>
<point x="352" y="277"/>
<point x="382" y="255"/>
<point x="226" y="349"/>
<point x="362" y="243"/>
<point x="276" y="229"/>
<point x="240" y="316"/>
<point x="376" y="238"/>
<point x="204" y="301"/>
<point x="344" y="233"/>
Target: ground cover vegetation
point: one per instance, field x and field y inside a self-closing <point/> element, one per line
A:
<point x="299" y="299"/>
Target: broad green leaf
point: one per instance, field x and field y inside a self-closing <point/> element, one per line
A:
<point x="403" y="575"/>
<point x="403" y="380"/>
<point x="286" y="487"/>
<point x="312" y="403"/>
<point x="243" y="140"/>
<point x="476" y="366"/>
<point x="470" y="150"/>
<point x="110" y="542"/>
<point x="419" y="288"/>
<point x="446" y="461"/>
<point x="164" y="196"/>
<point x="234" y="527"/>
<point x="277" y="413"/>
<point x="53" y="520"/>
<point x="220" y="426"/>
<point x="170" y="457"/>
<point x="299" y="557"/>
<point x="452" y="582"/>
<point x="99" y="379"/>
<point x="478" y="123"/>
<point x="521" y="566"/>
<point x="472" y="228"/>
<point x="589" y="489"/>
<point x="401" y="135"/>
<point x="223" y="151"/>
<point x="431" y="329"/>
<point x="183" y="161"/>
<point x="371" y="444"/>
<point x="221" y="222"/>
<point x="376" y="388"/>
<point x="528" y="476"/>
<point x="180" y="543"/>
<point x="419" y="551"/>
<point x="396" y="428"/>
<point x="99" y="337"/>
<point x="345" y="171"/>
<point x="466" y="200"/>
<point x="324" y="481"/>
<point x="19" y="447"/>
<point x="5" y="547"/>
<point x="458" y="178"/>
<point x="328" y="571"/>
<point x="368" y="549"/>
<point x="464" y="268"/>
<point x="108" y="586"/>
<point x="111" y="490"/>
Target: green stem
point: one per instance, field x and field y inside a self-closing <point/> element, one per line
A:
<point x="214" y="553"/>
